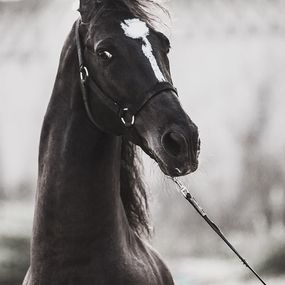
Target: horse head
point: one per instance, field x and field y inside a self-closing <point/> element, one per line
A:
<point x="129" y="85"/>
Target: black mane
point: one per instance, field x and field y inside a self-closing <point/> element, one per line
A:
<point x="138" y="8"/>
<point x="133" y="192"/>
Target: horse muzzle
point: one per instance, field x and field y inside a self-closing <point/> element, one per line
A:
<point x="179" y="151"/>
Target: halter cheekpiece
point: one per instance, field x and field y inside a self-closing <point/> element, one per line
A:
<point x="126" y="115"/>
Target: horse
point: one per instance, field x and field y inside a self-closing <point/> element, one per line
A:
<point x="113" y="93"/>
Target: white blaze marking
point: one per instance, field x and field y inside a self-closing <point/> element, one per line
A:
<point x="137" y="29"/>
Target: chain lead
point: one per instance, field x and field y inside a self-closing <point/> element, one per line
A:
<point x="188" y="196"/>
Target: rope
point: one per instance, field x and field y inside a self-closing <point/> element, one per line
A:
<point x="189" y="197"/>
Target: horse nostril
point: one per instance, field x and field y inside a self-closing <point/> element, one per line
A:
<point x="173" y="143"/>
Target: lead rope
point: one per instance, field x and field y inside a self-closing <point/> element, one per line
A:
<point x="188" y="196"/>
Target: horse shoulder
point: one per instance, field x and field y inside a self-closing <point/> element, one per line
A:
<point x="156" y="262"/>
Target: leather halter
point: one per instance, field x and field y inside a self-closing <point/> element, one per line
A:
<point x="125" y="114"/>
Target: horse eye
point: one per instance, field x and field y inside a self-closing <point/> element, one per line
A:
<point x="105" y="55"/>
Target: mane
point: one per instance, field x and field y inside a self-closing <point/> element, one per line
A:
<point x="142" y="9"/>
<point x="133" y="192"/>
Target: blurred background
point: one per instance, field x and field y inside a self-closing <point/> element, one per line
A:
<point x="228" y="62"/>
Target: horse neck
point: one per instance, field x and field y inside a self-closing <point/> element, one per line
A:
<point x="78" y="195"/>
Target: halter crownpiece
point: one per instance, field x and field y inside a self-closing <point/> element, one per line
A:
<point x="125" y="114"/>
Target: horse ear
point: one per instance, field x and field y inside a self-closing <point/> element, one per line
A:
<point x="85" y="8"/>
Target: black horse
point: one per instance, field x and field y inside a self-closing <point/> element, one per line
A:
<point x="113" y="92"/>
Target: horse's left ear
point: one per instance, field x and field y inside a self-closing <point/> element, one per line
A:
<point x="85" y="8"/>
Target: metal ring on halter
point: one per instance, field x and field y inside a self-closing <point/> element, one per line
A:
<point x="123" y="114"/>
<point x="84" y="73"/>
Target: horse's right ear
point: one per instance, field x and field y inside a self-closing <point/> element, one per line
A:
<point x="86" y="7"/>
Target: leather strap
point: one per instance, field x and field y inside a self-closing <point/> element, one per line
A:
<point x="126" y="115"/>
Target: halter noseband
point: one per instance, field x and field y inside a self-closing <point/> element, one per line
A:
<point x="126" y="115"/>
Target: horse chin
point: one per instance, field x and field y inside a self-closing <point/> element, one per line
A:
<point x="168" y="168"/>
<point x="173" y="171"/>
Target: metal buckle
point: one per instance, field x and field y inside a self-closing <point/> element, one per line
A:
<point x="84" y="74"/>
<point x="124" y="116"/>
